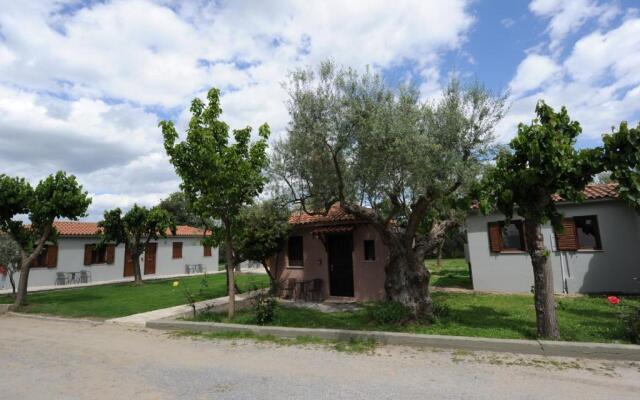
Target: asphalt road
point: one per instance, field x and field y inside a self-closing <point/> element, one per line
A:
<point x="48" y="359"/>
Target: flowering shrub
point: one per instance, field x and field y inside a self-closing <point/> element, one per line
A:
<point x="631" y="319"/>
<point x="264" y="307"/>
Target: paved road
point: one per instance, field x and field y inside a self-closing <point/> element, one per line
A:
<point x="45" y="359"/>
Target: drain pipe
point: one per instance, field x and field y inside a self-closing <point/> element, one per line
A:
<point x="565" y="287"/>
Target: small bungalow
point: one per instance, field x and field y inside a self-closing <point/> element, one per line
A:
<point x="598" y="252"/>
<point x="335" y="255"/>
<point x="75" y="259"/>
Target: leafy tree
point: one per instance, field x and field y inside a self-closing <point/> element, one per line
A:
<point x="218" y="177"/>
<point x="10" y="258"/>
<point x="621" y="158"/>
<point x="541" y="162"/>
<point x="57" y="196"/>
<point x="264" y="228"/>
<point x="135" y="229"/>
<point x="177" y="204"/>
<point x="390" y="159"/>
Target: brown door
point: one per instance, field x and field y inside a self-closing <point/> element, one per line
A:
<point x="150" y="258"/>
<point x="341" y="265"/>
<point x="128" y="263"/>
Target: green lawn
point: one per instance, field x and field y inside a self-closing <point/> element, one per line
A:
<point x="453" y="273"/>
<point x="585" y="319"/>
<point x="117" y="300"/>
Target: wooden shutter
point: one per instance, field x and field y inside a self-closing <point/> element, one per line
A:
<point x="52" y="256"/>
<point x="88" y="248"/>
<point x="177" y="250"/>
<point x="495" y="237"/>
<point x="207" y="251"/>
<point x="110" y="254"/>
<point x="568" y="239"/>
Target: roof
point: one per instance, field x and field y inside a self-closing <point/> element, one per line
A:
<point x="597" y="192"/>
<point x="75" y="228"/>
<point x="336" y="214"/>
<point x="594" y="191"/>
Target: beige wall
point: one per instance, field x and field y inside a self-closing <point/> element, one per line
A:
<point x="368" y="276"/>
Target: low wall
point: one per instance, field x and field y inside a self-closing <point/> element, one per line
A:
<point x="535" y="347"/>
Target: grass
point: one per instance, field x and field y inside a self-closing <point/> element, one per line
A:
<point x="117" y="300"/>
<point x="454" y="272"/>
<point x="345" y="346"/>
<point x="582" y="319"/>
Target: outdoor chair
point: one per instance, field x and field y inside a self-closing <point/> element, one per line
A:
<point x="61" y="279"/>
<point x="288" y="288"/>
<point x="313" y="290"/>
<point x="85" y="277"/>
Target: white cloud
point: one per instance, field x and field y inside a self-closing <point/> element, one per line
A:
<point x="598" y="82"/>
<point x="532" y="72"/>
<point x="567" y="16"/>
<point x="82" y="88"/>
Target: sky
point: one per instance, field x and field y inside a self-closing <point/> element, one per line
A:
<point x="83" y="84"/>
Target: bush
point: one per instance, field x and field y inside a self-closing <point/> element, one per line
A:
<point x="632" y="324"/>
<point x="264" y="306"/>
<point x="387" y="312"/>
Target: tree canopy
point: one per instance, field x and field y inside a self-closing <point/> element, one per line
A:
<point x="135" y="229"/>
<point x="178" y="205"/>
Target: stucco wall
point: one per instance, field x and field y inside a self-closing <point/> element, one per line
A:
<point x="368" y="276"/>
<point x="71" y="259"/>
<point x="585" y="271"/>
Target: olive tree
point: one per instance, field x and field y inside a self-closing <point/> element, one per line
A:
<point x="221" y="173"/>
<point x="389" y="158"/>
<point x="135" y="229"/>
<point x="57" y="196"/>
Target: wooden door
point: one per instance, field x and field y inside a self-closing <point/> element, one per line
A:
<point x="150" y="258"/>
<point x="128" y="263"/>
<point x="340" y="265"/>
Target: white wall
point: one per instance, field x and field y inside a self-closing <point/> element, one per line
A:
<point x="611" y="269"/>
<point x="71" y="259"/>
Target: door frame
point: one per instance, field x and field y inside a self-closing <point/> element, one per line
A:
<point x="340" y="236"/>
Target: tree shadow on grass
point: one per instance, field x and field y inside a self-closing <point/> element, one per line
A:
<point x="482" y="318"/>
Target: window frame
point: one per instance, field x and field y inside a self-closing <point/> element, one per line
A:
<point x="372" y="243"/>
<point x="523" y="244"/>
<point x="596" y="228"/>
<point x="95" y="255"/>
<point x="207" y="251"/>
<point x="294" y="262"/>
<point x="176" y="247"/>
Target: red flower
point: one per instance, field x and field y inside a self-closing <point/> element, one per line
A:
<point x="613" y="300"/>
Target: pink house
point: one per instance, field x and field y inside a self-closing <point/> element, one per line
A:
<point x="346" y="254"/>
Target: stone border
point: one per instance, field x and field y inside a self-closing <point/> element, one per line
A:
<point x="536" y="347"/>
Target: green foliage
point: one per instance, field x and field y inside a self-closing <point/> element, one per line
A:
<point x="387" y="312"/>
<point x="57" y="196"/>
<point x="263" y="229"/>
<point x="541" y="161"/>
<point x="353" y="139"/>
<point x="622" y="159"/>
<point x="632" y="323"/>
<point x="177" y="204"/>
<point x="264" y="306"/>
<point x="136" y="228"/>
<point x="219" y="176"/>
<point x="10" y="252"/>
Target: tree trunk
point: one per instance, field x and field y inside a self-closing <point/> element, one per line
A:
<point x="25" y="267"/>
<point x="231" y="284"/>
<point x="407" y="278"/>
<point x="13" y="283"/>
<point x="137" y="273"/>
<point x="439" y="256"/>
<point x="545" y="304"/>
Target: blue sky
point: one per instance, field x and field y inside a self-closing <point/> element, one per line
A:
<point x="84" y="84"/>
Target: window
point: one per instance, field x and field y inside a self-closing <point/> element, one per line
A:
<point x="93" y="255"/>
<point x="48" y="258"/>
<point x="207" y="251"/>
<point x="177" y="250"/>
<point x="369" y="250"/>
<point x="295" y="251"/>
<point x="579" y="233"/>
<point x="504" y="237"/>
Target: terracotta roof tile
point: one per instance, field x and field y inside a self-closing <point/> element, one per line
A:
<point x="336" y="214"/>
<point x="75" y="228"/>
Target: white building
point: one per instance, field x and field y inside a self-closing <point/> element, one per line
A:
<point x="598" y="252"/>
<point x="74" y="257"/>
